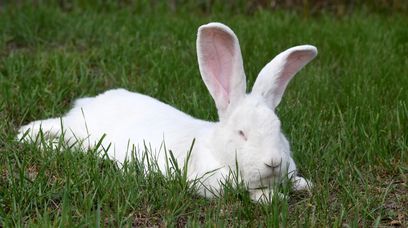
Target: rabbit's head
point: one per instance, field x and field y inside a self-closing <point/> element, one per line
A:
<point x="249" y="132"/>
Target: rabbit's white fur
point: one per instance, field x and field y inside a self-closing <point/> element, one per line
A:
<point x="248" y="133"/>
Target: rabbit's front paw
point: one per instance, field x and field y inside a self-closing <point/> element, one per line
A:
<point x="301" y="184"/>
<point x="264" y="195"/>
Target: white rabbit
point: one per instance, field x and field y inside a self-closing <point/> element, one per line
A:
<point x="248" y="132"/>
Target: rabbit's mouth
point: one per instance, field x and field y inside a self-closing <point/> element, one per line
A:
<point x="265" y="182"/>
<point x="273" y="166"/>
<point x="266" y="179"/>
<point x="270" y="175"/>
<point x="276" y="168"/>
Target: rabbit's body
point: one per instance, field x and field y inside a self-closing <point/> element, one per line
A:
<point x="248" y="133"/>
<point x="135" y="123"/>
<point x="127" y="121"/>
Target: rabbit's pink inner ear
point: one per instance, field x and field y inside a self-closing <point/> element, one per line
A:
<point x="275" y="76"/>
<point x="217" y="55"/>
<point x="294" y="63"/>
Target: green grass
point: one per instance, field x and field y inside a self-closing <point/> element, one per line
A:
<point x="345" y="114"/>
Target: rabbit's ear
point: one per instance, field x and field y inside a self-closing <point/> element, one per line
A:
<point x="275" y="76"/>
<point x="220" y="62"/>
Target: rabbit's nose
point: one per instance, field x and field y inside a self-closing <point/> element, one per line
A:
<point x="274" y="164"/>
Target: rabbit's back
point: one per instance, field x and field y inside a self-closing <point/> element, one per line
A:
<point x="131" y="121"/>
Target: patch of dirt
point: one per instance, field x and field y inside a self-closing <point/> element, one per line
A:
<point x="144" y="220"/>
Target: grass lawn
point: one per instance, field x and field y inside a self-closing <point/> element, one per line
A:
<point x="345" y="114"/>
